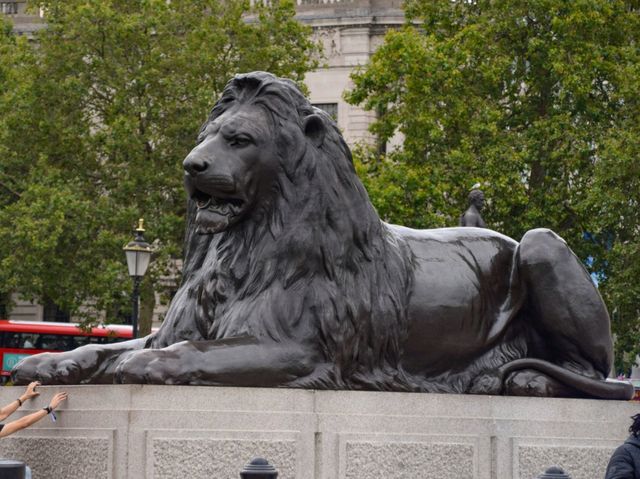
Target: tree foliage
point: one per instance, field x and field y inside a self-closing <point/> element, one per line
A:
<point x="538" y="102"/>
<point x="96" y="116"/>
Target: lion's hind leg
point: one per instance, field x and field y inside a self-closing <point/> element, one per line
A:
<point x="564" y="309"/>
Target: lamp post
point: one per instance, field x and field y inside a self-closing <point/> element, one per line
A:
<point x="138" y="254"/>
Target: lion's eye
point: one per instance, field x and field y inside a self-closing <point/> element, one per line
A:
<point x="239" y="141"/>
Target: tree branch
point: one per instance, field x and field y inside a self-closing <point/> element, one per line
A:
<point x="10" y="190"/>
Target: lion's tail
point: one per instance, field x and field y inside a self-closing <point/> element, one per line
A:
<point x="599" y="389"/>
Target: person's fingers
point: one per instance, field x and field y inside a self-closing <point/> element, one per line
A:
<point x="31" y="392"/>
<point x="58" y="398"/>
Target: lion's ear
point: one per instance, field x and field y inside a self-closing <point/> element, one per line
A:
<point x="314" y="129"/>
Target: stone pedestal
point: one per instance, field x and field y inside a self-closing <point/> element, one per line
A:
<point x="136" y="432"/>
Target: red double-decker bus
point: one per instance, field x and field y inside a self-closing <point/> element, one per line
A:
<point x="19" y="339"/>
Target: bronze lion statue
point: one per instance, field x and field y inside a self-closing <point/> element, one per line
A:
<point x="292" y="280"/>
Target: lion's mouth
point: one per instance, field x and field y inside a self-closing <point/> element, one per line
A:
<point x="215" y="212"/>
<point x="217" y="204"/>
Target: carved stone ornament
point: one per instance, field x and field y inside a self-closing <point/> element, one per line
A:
<point x="330" y="41"/>
<point x="292" y="280"/>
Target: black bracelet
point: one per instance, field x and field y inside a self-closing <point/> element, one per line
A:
<point x="48" y="409"/>
<point x="19" y="402"/>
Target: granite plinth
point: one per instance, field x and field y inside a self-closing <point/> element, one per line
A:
<point x="140" y="432"/>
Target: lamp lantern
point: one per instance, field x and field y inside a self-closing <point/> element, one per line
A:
<point x="138" y="254"/>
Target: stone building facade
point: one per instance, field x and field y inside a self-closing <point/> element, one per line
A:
<point x="350" y="31"/>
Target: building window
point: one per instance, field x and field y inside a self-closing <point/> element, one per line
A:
<point x="9" y="8"/>
<point x="330" y="108"/>
<point x="51" y="312"/>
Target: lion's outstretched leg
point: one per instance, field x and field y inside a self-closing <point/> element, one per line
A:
<point x="240" y="361"/>
<point x="93" y="364"/>
<point x="569" y="319"/>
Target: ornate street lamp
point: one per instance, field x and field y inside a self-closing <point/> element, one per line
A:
<point x="138" y="254"/>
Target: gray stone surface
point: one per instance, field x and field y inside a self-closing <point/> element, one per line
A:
<point x="206" y="458"/>
<point x="60" y="457"/>
<point x="399" y="460"/>
<point x="145" y="432"/>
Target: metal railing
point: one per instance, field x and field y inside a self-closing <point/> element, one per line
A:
<point x="9" y="8"/>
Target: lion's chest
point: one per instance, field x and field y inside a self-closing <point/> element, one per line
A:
<point x="217" y="299"/>
<point x="234" y="301"/>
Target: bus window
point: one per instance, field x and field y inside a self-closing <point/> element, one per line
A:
<point x="17" y="340"/>
<point x="28" y="341"/>
<point x="52" y="341"/>
<point x="11" y="340"/>
<point x="81" y="340"/>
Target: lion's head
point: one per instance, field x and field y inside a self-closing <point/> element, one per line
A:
<point x="244" y="146"/>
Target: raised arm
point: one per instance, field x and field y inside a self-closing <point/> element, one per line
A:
<point x="34" y="417"/>
<point x="10" y="408"/>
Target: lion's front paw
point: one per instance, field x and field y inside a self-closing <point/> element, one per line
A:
<point x="25" y="371"/>
<point x="143" y="367"/>
<point x="48" y="368"/>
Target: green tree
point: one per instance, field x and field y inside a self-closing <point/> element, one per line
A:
<point x="537" y="101"/>
<point x="96" y="116"/>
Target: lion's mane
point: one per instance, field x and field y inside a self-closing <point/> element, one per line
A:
<point x="312" y="263"/>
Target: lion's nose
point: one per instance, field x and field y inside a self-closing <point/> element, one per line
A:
<point x="194" y="164"/>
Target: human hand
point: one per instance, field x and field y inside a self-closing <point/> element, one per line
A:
<point x="57" y="399"/>
<point x="31" y="390"/>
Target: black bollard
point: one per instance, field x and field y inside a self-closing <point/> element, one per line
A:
<point x="10" y="469"/>
<point x="259" y="469"/>
<point x="554" y="472"/>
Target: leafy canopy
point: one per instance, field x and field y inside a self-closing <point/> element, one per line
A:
<point x="535" y="100"/>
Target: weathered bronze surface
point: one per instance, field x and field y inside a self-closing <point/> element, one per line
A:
<point x="472" y="216"/>
<point x="291" y="279"/>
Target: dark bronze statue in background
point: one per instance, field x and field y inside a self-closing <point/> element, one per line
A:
<point x="472" y="216"/>
<point x="292" y="280"/>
